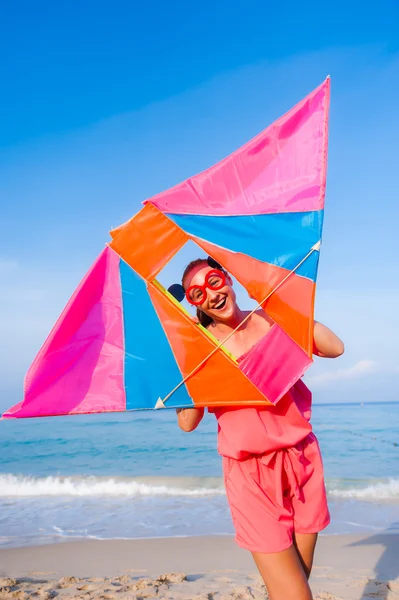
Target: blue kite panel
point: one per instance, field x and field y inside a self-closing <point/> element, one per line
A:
<point x="281" y="239"/>
<point x="151" y="370"/>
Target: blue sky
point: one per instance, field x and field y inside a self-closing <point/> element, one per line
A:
<point x="105" y="104"/>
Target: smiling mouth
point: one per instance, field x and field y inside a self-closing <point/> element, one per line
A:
<point x="220" y="305"/>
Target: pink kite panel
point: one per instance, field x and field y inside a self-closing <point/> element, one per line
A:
<point x="79" y="369"/>
<point x="283" y="169"/>
<point x="274" y="363"/>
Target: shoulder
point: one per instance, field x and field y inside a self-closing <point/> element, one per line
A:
<point x="261" y="317"/>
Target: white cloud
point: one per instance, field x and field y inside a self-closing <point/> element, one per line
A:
<point x="361" y="368"/>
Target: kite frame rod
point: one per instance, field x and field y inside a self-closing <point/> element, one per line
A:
<point x="161" y="402"/>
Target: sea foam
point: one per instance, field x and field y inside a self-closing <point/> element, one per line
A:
<point x="22" y="486"/>
<point x="380" y="490"/>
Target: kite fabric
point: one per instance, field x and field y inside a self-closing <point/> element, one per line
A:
<point x="123" y="342"/>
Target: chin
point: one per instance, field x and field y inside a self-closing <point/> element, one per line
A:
<point x="222" y="317"/>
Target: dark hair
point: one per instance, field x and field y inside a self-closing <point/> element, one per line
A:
<point x="203" y="318"/>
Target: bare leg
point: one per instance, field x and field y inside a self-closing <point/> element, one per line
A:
<point x="305" y="544"/>
<point x="283" y="575"/>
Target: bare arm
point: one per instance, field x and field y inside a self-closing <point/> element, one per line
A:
<point x="188" y="419"/>
<point x="325" y="343"/>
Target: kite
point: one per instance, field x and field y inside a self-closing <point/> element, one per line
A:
<point x="124" y="342"/>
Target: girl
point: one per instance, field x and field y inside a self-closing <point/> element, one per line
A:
<point x="272" y="465"/>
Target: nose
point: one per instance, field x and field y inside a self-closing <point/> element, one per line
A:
<point x="212" y="294"/>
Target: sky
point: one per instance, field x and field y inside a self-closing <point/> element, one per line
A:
<point x="105" y="104"/>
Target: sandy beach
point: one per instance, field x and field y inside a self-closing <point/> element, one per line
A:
<point x="346" y="567"/>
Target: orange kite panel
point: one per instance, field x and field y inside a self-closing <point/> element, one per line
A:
<point x="148" y="241"/>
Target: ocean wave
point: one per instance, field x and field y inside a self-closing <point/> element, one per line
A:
<point x="380" y="490"/>
<point x="27" y="486"/>
<point x="12" y="485"/>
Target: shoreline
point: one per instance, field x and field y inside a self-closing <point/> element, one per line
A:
<point x="55" y="540"/>
<point x="347" y="566"/>
<point x="335" y="528"/>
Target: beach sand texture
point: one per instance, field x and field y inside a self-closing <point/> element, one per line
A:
<point x="346" y="567"/>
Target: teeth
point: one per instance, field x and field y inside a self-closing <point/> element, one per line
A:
<point x="220" y="303"/>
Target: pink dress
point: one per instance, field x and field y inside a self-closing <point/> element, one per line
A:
<point x="257" y="430"/>
<point x="273" y="471"/>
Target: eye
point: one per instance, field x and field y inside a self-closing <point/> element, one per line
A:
<point x="215" y="281"/>
<point x="197" y="295"/>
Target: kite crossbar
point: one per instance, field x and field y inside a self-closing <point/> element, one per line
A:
<point x="161" y="402"/>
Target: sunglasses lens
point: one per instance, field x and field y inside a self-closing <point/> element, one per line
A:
<point x="216" y="282"/>
<point x="197" y="295"/>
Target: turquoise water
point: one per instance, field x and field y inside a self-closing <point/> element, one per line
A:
<point x="137" y="475"/>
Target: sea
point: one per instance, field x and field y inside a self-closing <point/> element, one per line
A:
<point x="136" y="475"/>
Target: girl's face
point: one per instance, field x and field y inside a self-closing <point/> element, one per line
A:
<point x="218" y="304"/>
